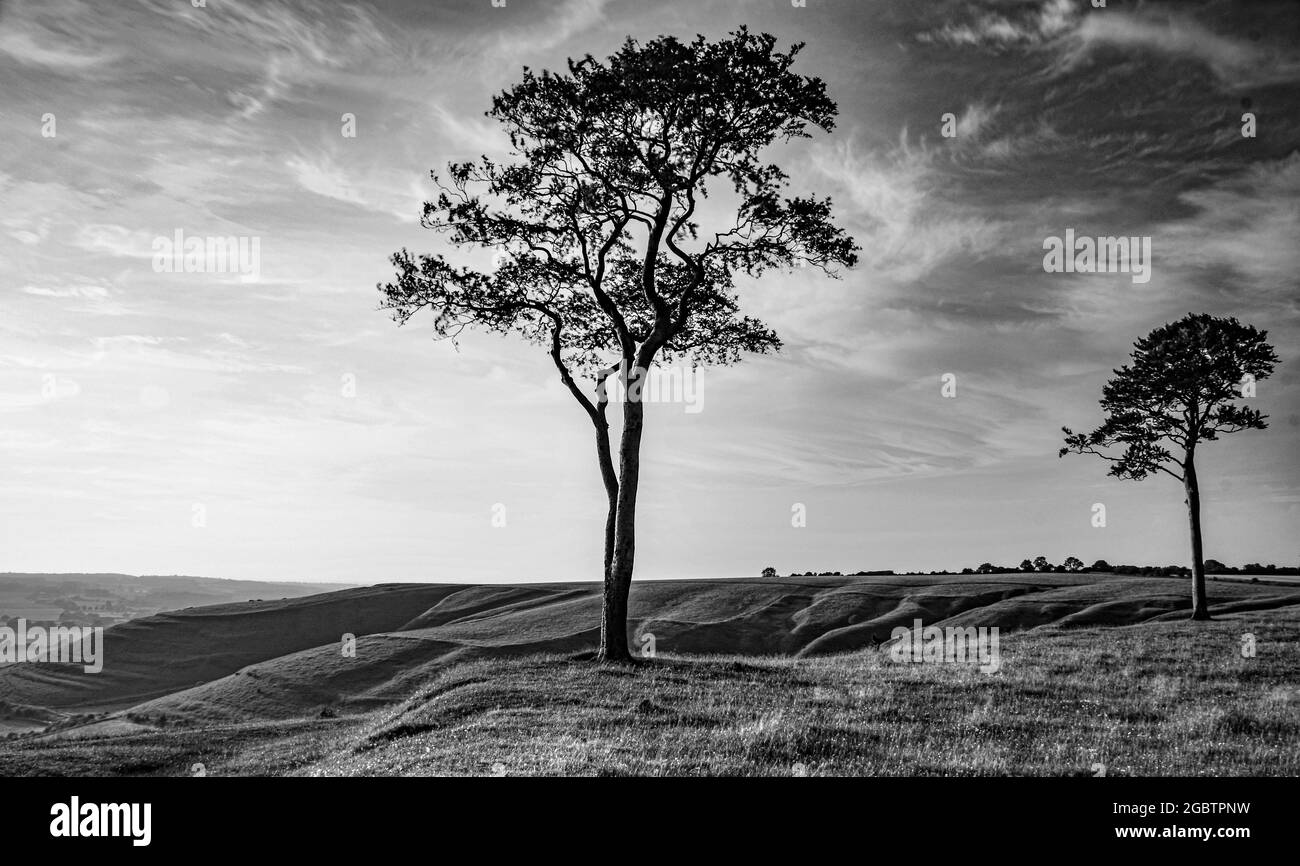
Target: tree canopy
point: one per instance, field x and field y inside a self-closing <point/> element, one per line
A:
<point x="630" y="145"/>
<point x="1179" y="389"/>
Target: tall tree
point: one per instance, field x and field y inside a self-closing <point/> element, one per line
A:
<point x="1180" y="390"/>
<point x="602" y="211"/>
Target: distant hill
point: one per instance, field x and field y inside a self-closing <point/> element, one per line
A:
<point x="104" y="599"/>
<point x="160" y="654"/>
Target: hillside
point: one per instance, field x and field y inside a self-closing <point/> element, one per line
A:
<point x="1161" y="698"/>
<point x="283" y="659"/>
<point x="156" y="655"/>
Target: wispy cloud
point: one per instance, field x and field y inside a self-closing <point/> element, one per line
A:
<point x="1030" y="27"/>
<point x="115" y="240"/>
<point x="1076" y="32"/>
<point x="386" y="191"/>
<point x="293" y="44"/>
<point x="897" y="198"/>
<point x="46" y="35"/>
<point x="1237" y="61"/>
<point x="1245" y="226"/>
<point x="86" y="292"/>
<point x="571" y="18"/>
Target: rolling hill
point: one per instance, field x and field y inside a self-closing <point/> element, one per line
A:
<point x="284" y="659"/>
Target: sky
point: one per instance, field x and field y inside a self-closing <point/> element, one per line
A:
<point x="278" y="425"/>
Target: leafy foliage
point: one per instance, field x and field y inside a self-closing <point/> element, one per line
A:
<point x="1180" y="389"/>
<point x="606" y="262"/>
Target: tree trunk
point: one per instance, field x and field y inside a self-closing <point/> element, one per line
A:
<point x="1200" y="605"/>
<point x="618" y="581"/>
<point x="610" y="479"/>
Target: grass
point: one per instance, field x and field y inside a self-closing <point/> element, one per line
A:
<point x="1158" y="699"/>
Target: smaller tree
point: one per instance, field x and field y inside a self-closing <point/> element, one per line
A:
<point x="1179" y="391"/>
<point x="1026" y="565"/>
<point x="1100" y="565"/>
<point x="769" y="572"/>
<point x="1213" y="566"/>
<point x="985" y="568"/>
<point x="1073" y="564"/>
<point x="1041" y="564"/>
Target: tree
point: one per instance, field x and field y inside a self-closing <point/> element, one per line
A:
<point x="1179" y="391"/>
<point x="1026" y="565"/>
<point x="769" y="572"/>
<point x="1213" y="566"/>
<point x="1100" y="565"/>
<point x="985" y="568"/>
<point x="1041" y="564"/>
<point x="1072" y="564"/>
<point x="607" y="262"/>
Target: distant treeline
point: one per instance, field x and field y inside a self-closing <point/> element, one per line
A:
<point x="1073" y="565"/>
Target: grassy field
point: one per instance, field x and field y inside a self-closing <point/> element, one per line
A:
<point x="1163" y="698"/>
